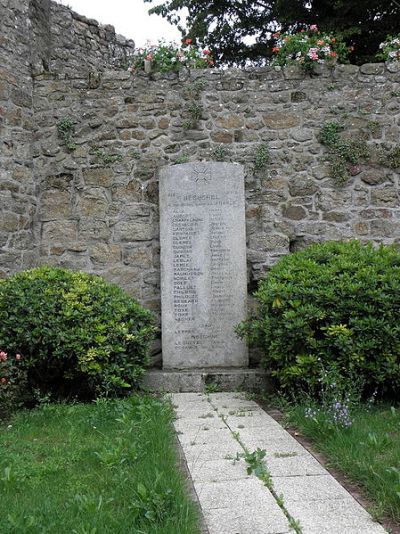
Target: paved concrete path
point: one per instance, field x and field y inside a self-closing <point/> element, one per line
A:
<point x="214" y="429"/>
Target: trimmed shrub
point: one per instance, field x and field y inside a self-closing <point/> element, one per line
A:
<point x="77" y="334"/>
<point x="331" y="306"/>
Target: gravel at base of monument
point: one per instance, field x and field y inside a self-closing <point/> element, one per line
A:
<point x="233" y="502"/>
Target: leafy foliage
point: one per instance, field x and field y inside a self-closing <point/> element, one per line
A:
<point x="262" y="157"/>
<point x="65" y="128"/>
<point x="390" y="49"/>
<point x="390" y="157"/>
<point x="78" y="334"/>
<point x="225" y="26"/>
<point x="331" y="305"/>
<point x="344" y="152"/>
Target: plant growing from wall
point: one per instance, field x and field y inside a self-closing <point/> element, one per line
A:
<point x="194" y="89"/>
<point x="195" y="112"/>
<point x="219" y="153"/>
<point x="343" y="153"/>
<point x="262" y="157"/>
<point x="182" y="158"/>
<point x="391" y="158"/>
<point x="65" y="128"/>
<point x="106" y="159"/>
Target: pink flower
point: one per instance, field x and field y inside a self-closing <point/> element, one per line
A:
<point x="206" y="51"/>
<point x="18" y="357"/>
<point x="3" y="380"/>
<point x="149" y="57"/>
<point x="3" y="356"/>
<point x="313" y="54"/>
<point x="313" y="28"/>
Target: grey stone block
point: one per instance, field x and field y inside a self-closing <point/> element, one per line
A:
<point x="247" y="520"/>
<point x="344" y="516"/>
<point x="309" y="488"/>
<point x="169" y="381"/>
<point x="219" y="471"/>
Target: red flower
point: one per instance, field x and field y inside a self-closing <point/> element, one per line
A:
<point x="275" y="49"/>
<point x="333" y="54"/>
<point x="206" y="51"/>
<point x="188" y="41"/>
<point x="4" y="380"/>
<point x="333" y="40"/>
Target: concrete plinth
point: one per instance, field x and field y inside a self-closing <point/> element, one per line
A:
<point x="196" y="380"/>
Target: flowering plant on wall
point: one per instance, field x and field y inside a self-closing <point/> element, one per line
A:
<point x="390" y="49"/>
<point x="167" y="57"/>
<point x="308" y="47"/>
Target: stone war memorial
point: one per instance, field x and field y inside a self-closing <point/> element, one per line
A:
<point x="183" y="188"/>
<point x="203" y="266"/>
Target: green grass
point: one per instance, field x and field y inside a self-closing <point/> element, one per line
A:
<point x="105" y="467"/>
<point x="368" y="452"/>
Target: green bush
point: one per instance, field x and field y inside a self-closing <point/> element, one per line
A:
<point x="331" y="306"/>
<point x="77" y="334"/>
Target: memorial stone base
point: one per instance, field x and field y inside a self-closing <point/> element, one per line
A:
<point x="198" y="380"/>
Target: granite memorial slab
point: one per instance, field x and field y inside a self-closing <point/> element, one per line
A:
<point x="203" y="265"/>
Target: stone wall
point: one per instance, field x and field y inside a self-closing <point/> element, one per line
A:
<point x="38" y="38"/>
<point x="104" y="218"/>
<point x="70" y="44"/>
<point x="96" y="208"/>
<point x="17" y="188"/>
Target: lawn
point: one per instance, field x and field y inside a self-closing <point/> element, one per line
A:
<point x="104" y="467"/>
<point x="368" y="452"/>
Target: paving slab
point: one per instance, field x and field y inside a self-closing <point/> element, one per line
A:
<point x="204" y="435"/>
<point x="343" y="516"/>
<point x="222" y="441"/>
<point x="216" y="429"/>
<point x="249" y="492"/>
<point x="293" y="465"/>
<point x="186" y="425"/>
<point x="309" y="488"/>
<point x="248" y="520"/>
<point x="218" y="471"/>
<point x="203" y="453"/>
